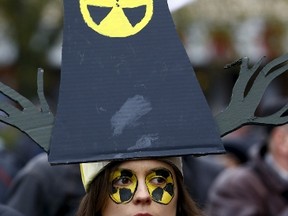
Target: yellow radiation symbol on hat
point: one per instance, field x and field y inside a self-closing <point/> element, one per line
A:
<point x="115" y="22"/>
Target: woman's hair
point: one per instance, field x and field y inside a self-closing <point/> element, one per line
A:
<point x="185" y="204"/>
<point x="96" y="197"/>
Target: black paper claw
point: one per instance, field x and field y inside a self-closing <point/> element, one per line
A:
<point x="242" y="107"/>
<point x="37" y="124"/>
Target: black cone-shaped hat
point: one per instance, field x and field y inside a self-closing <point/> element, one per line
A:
<point x="127" y="88"/>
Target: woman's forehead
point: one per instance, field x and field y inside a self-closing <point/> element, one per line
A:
<point x="144" y="165"/>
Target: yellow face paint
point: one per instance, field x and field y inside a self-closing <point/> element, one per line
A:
<point x="123" y="186"/>
<point x="160" y="185"/>
<point x="159" y="182"/>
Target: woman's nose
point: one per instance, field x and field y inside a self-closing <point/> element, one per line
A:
<point x="142" y="195"/>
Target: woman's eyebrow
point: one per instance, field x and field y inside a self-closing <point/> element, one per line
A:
<point x="125" y="169"/>
<point x="160" y="169"/>
<point x="146" y="172"/>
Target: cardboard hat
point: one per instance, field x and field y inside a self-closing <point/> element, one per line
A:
<point x="127" y="88"/>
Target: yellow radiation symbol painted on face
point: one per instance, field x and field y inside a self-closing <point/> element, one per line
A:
<point x="123" y="186"/>
<point x="116" y="23"/>
<point x="160" y="185"/>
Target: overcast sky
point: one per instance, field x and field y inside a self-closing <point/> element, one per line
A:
<point x="176" y="4"/>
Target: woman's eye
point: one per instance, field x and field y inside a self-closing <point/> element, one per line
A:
<point x="123" y="181"/>
<point x="158" y="180"/>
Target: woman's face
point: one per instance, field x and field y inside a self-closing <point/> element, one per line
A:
<point x="142" y="188"/>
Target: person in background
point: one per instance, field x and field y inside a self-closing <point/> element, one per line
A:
<point x="200" y="173"/>
<point x="259" y="187"/>
<point x="15" y="151"/>
<point x="42" y="189"/>
<point x="7" y="211"/>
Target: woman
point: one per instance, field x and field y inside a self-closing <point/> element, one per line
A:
<point x="143" y="187"/>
